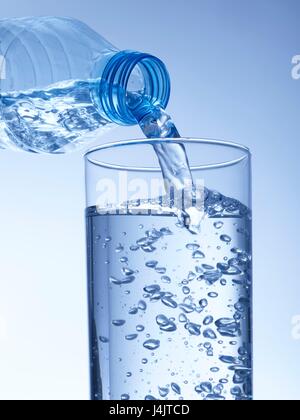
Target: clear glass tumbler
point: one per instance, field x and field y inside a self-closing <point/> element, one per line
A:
<point x="170" y="311"/>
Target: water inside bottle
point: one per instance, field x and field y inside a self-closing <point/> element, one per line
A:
<point x="58" y="119"/>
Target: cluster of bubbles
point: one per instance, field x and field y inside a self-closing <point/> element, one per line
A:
<point x="214" y="205"/>
<point x="218" y="205"/>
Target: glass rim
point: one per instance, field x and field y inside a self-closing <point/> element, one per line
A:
<point x="245" y="153"/>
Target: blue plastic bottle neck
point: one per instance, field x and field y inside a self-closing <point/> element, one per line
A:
<point x="114" y="93"/>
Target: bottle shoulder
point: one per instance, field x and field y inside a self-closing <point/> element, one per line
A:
<point x="45" y="28"/>
<point x="40" y="51"/>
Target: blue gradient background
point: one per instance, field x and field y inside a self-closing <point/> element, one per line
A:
<point x="230" y="63"/>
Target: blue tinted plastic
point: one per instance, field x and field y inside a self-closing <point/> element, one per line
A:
<point x="40" y="51"/>
<point x="114" y="95"/>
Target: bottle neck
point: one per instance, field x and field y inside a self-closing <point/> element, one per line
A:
<point x="129" y="82"/>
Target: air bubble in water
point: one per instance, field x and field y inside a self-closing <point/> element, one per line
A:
<point x="119" y="249"/>
<point x="229" y="270"/>
<point x="162" y="320"/>
<point x="154" y="234"/>
<point x="237" y="316"/>
<point x="212" y="276"/>
<point x="168" y="301"/>
<point x="149" y="398"/>
<point x="198" y="255"/>
<point x="152" y="289"/>
<point x="151" y="344"/>
<point x="127" y="271"/>
<point x="176" y="388"/>
<point x="148" y="248"/>
<point x="233" y="261"/>
<point x="192" y="247"/>
<point x="170" y="327"/>
<point x="104" y="339"/>
<point x="236" y="250"/>
<point x="161" y="270"/>
<point x="182" y="318"/>
<point x="151" y="264"/>
<point x="209" y="333"/>
<point x="186" y="290"/>
<point x="236" y="391"/>
<point x="198" y="270"/>
<point x="207" y="267"/>
<point x="133" y="311"/>
<point x="218" y="225"/>
<point x="126" y="280"/>
<point x="228" y="359"/>
<point x="166" y="279"/>
<point x="118" y="322"/>
<point x="155" y="297"/>
<point x="142" y="305"/>
<point x="228" y="327"/>
<point x="144" y="242"/>
<point x="193" y="329"/>
<point x="191" y="276"/>
<point x="204" y="387"/>
<point x="208" y="320"/>
<point x="225" y="238"/>
<point x="187" y="308"/>
<point x="125" y="397"/>
<point x="134" y="248"/>
<point x="217" y="390"/>
<point x="203" y="303"/>
<point x="131" y="337"/>
<point x="140" y="328"/>
<point x="166" y="231"/>
<point x="163" y="391"/>
<point x="242" y="351"/>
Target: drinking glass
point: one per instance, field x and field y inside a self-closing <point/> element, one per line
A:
<point x="170" y="309"/>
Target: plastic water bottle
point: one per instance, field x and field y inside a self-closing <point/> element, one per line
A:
<point x="63" y="84"/>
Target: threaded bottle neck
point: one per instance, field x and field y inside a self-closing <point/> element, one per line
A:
<point x="133" y="77"/>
